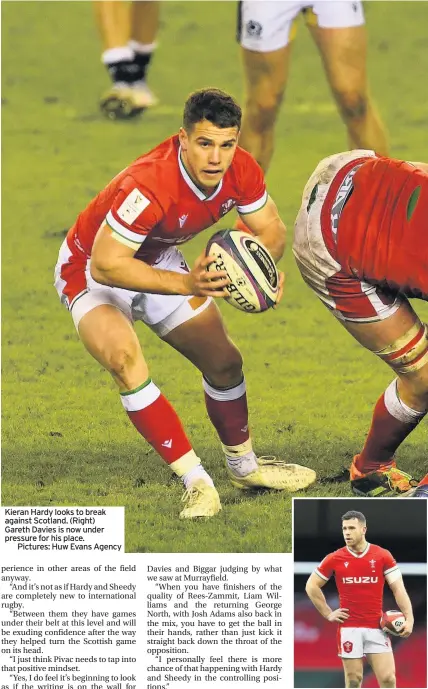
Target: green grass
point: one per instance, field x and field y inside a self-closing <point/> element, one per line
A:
<point x="311" y="388"/>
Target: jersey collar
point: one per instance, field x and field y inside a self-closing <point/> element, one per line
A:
<point x="190" y="183"/>
<point x="365" y="551"/>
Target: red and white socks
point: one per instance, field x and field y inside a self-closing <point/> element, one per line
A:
<point x="392" y="422"/>
<point x="228" y="412"/>
<point x="156" y="420"/>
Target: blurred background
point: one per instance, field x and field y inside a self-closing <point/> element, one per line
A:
<point x="400" y="527"/>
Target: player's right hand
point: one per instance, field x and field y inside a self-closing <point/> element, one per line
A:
<point x="339" y="615"/>
<point x="202" y="283"/>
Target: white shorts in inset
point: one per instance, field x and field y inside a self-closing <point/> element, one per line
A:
<point x="265" y="25"/>
<point x="356" y="642"/>
<point x="162" y="313"/>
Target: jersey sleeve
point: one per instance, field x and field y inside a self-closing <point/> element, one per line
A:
<point x="390" y="566"/>
<point x="326" y="568"/>
<point x="135" y="211"/>
<point x="252" y="192"/>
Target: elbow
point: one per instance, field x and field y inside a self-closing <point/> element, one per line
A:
<point x="100" y="273"/>
<point x="308" y="589"/>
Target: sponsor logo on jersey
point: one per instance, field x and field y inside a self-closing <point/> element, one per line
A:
<point x="226" y="206"/>
<point x="182" y="219"/>
<point x="348" y="646"/>
<point x="133" y="206"/>
<point x="360" y="580"/>
<point x="346" y="564"/>
<point x="167" y="443"/>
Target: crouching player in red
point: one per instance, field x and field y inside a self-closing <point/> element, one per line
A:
<point x="361" y="243"/>
<point x="360" y="570"/>
<point x="120" y="263"/>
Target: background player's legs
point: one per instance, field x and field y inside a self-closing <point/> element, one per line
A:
<point x="405" y="402"/>
<point x="143" y="32"/>
<point x="204" y="341"/>
<point x="353" y="669"/>
<point x="128" y="36"/>
<point x="265" y="77"/>
<point x="383" y="666"/>
<point x="344" y="55"/>
<point x="110" y="338"/>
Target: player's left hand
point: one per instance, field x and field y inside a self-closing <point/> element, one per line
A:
<point x="281" y="288"/>
<point x="406" y="629"/>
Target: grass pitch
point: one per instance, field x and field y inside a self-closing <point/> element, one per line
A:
<point x="311" y="389"/>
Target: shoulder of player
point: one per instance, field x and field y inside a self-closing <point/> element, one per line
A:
<point x="243" y="162"/>
<point x="158" y="168"/>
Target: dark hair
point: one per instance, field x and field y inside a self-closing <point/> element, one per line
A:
<point x="352" y="514"/>
<point x="213" y="105"/>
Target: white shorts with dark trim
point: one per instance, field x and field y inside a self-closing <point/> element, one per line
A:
<point x="356" y="642"/>
<point x="162" y="313"/>
<point x="266" y="25"/>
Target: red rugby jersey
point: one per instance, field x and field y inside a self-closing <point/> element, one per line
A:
<point x="153" y="203"/>
<point x="383" y="230"/>
<point x="360" y="579"/>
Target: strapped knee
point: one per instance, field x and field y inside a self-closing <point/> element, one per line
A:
<point x="409" y="352"/>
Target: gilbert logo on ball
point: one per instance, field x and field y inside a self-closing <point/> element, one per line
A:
<point x="392" y="621"/>
<point x="250" y="267"/>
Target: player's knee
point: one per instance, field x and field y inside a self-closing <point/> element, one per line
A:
<point x="262" y="113"/>
<point x="120" y="362"/>
<point x="387" y="679"/>
<point x="226" y="370"/>
<point x="354" y="679"/>
<point x="353" y="104"/>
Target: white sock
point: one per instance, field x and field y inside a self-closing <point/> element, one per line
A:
<point x="117" y="54"/>
<point x="195" y="474"/>
<point x="142" y="48"/>
<point x="242" y="466"/>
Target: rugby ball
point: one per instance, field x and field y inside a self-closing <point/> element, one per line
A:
<point x="250" y="268"/>
<point x="392" y="622"/>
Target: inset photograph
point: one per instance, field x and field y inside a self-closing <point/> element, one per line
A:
<point x="360" y="603"/>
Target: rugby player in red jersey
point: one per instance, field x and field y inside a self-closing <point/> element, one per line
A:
<point x="360" y="570"/>
<point x="120" y="263"/>
<point x="361" y="244"/>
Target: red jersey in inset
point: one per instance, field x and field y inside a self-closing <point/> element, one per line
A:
<point x="360" y="579"/>
<point x="382" y="234"/>
<point x="154" y="204"/>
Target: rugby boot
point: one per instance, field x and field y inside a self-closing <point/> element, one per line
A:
<point x="276" y="474"/>
<point x="387" y="481"/>
<point x="421" y="490"/>
<point x="123" y="102"/>
<point x="201" y="500"/>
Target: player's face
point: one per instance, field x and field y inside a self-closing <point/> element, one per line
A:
<point x="353" y="532"/>
<point x="207" y="152"/>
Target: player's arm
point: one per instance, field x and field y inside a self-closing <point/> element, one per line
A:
<point x="313" y="589"/>
<point x="113" y="264"/>
<point x="266" y="224"/>
<point x="403" y="602"/>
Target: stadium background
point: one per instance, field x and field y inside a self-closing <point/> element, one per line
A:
<point x="311" y="389"/>
<point x="398" y="527"/>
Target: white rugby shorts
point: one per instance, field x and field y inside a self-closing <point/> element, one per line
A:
<point x="162" y="313"/>
<point x="265" y="25"/>
<point x="356" y="642"/>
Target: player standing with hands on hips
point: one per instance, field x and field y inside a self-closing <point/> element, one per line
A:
<point x="361" y="569"/>
<point x="120" y="263"/>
